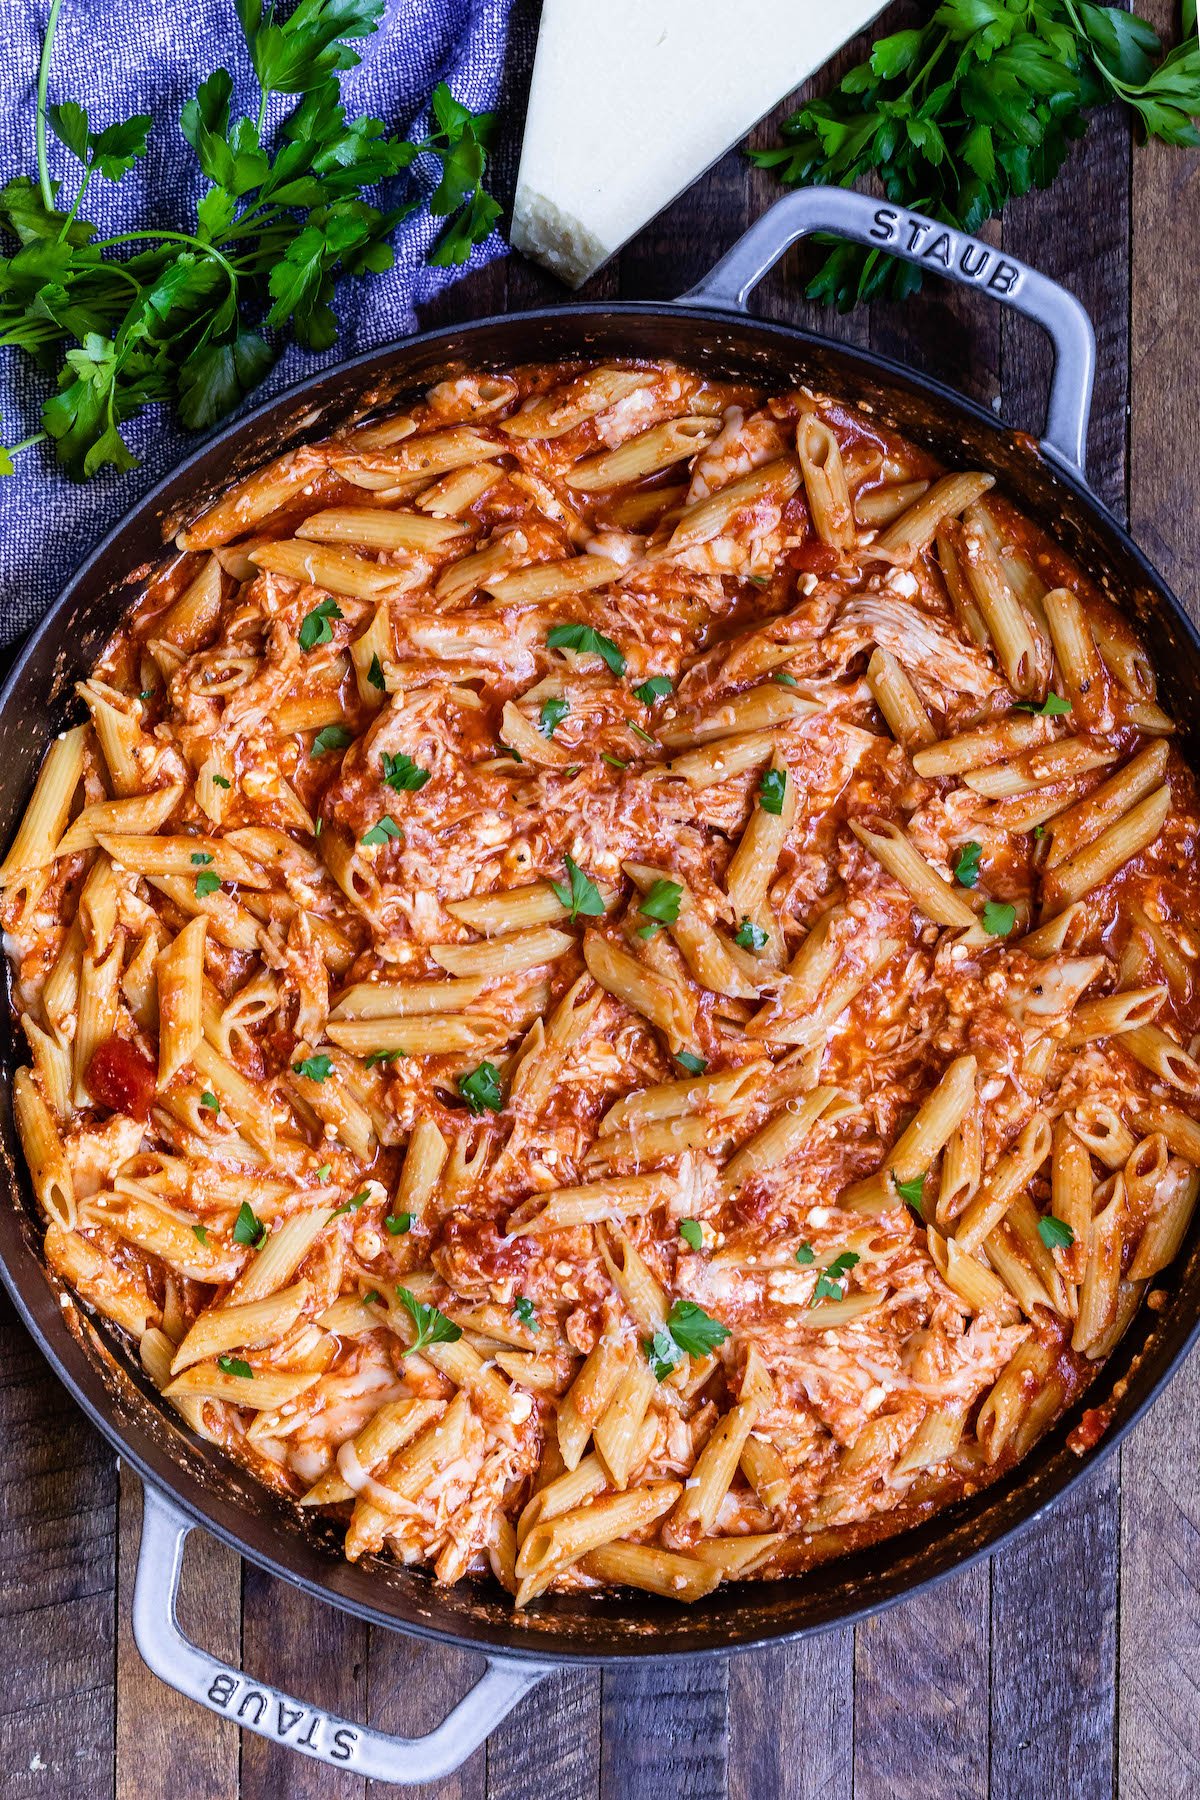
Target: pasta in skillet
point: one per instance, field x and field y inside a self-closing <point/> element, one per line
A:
<point x="610" y="980"/>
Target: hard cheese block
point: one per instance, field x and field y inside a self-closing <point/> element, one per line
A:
<point x="633" y="99"/>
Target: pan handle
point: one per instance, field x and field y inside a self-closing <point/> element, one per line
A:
<point x="943" y="251"/>
<point x="275" y="1715"/>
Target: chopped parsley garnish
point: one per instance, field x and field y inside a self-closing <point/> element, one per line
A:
<point x="235" y="1365"/>
<point x="661" y="906"/>
<point x="1039" y="831"/>
<point x="911" y="1191"/>
<point x="372" y="1297"/>
<point x="381" y="1056"/>
<point x="695" y="1065"/>
<point x="359" y="1200"/>
<point x="206" y="883"/>
<point x="585" y="639"/>
<point x="433" y="1327"/>
<point x="784" y="679"/>
<point x="375" y="674"/>
<point x="1052" y="707"/>
<point x="200" y="1233"/>
<point x="553" y="712"/>
<point x="315" y="627"/>
<point x="614" y="762"/>
<point x="750" y="936"/>
<point x="654" y="689"/>
<point x="523" y="1308"/>
<point x="507" y="750"/>
<point x="966" y="869"/>
<point x="999" y="917"/>
<point x="324" y="1172"/>
<point x="578" y="894"/>
<point x="402" y="774"/>
<point x="397" y="1224"/>
<point x="209" y="1100"/>
<point x="220" y="781"/>
<point x="248" y="1228"/>
<point x="481" y="1089"/>
<point x="831" y="1283"/>
<point x="1056" y="1234"/>
<point x="804" y="1255"/>
<point x="690" y="1232"/>
<point x="688" y="1331"/>
<point x="771" y="790"/>
<point x="314" y="1068"/>
<point x="331" y="737"/>
<point x="644" y="735"/>
<point x="201" y="856"/>
<point x="379" y="834"/>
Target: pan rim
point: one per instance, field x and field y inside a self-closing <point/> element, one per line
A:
<point x="185" y="1488"/>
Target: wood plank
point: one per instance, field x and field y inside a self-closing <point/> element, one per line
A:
<point x="551" y="1744"/>
<point x="666" y="1731"/>
<point x="1159" y="1627"/>
<point x="191" y="1751"/>
<point x="791" y="1721"/>
<point x="412" y="1686"/>
<point x="921" y="1695"/>
<point x="314" y="1653"/>
<point x="1054" y="1645"/>
<point x="58" y="1518"/>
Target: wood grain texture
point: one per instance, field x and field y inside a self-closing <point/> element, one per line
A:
<point x="791" y="1721"/>
<point x="666" y="1730"/>
<point x="551" y="1744"/>
<point x="412" y="1685"/>
<point x="191" y="1751"/>
<point x="314" y="1654"/>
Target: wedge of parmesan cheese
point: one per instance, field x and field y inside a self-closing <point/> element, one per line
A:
<point x="633" y="99"/>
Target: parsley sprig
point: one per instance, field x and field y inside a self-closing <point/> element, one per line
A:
<point x="178" y="317"/>
<point x="689" y="1331"/>
<point x="976" y="106"/>
<point x="432" y="1326"/>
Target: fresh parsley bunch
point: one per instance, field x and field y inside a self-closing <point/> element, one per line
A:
<point x="958" y="116"/>
<point x="178" y="317"/>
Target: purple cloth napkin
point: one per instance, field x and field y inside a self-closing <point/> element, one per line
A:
<point x="119" y="57"/>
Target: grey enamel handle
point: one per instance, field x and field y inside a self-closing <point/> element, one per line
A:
<point x="942" y="251"/>
<point x="273" y="1714"/>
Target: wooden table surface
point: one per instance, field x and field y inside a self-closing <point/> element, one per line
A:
<point x="1067" y="1667"/>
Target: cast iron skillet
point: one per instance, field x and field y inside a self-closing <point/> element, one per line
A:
<point x="189" y="1483"/>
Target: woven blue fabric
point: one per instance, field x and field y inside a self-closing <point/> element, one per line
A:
<point x="119" y="57"/>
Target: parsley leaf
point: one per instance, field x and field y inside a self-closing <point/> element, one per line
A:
<point x="578" y="894"/>
<point x="1053" y="707"/>
<point x="771" y="790"/>
<point x="372" y="1297"/>
<point x="402" y="774"/>
<point x="911" y="1192"/>
<point x="784" y="679"/>
<point x="689" y="1331"/>
<point x="805" y="1254"/>
<point x="210" y="1101"/>
<point x="999" y="917"/>
<point x="331" y="737"/>
<point x="481" y="1089"/>
<point x="690" y="1232"/>
<point x="220" y="781"/>
<point x="200" y="1233"/>
<point x="750" y="936"/>
<point x="586" y="640"/>
<point x="235" y="1365"/>
<point x="660" y="905"/>
<point x="523" y="1308"/>
<point x="966" y="869"/>
<point x="201" y="856"/>
<point x="207" y="883"/>
<point x="315" y="627"/>
<point x="375" y="675"/>
<point x="380" y="833"/>
<point x="248" y="1228"/>
<point x="1056" y="1234"/>
<point x="432" y="1326"/>
<point x="653" y="689"/>
<point x="324" y="1172"/>
<point x="355" y="1205"/>
<point x="553" y="712"/>
<point x="314" y="1068"/>
<point x="376" y="1057"/>
<point x="831" y="1283"/>
<point x="694" y="1065"/>
<point x="397" y="1224"/>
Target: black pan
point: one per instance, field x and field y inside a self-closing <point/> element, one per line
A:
<point x="189" y="1483"/>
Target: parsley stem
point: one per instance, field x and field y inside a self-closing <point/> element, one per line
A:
<point x="26" y="443"/>
<point x="262" y="113"/>
<point x="173" y="237"/>
<point x="40" y="115"/>
<point x="75" y="204"/>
